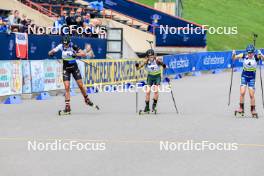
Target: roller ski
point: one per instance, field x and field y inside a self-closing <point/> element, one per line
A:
<point x="240" y="112"/>
<point x="154" y="107"/>
<point x="146" y="110"/>
<point x="66" y="111"/>
<point x="90" y="103"/>
<point x="253" y="112"/>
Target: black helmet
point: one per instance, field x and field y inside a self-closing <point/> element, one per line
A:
<point x="66" y="40"/>
<point x="150" y="52"/>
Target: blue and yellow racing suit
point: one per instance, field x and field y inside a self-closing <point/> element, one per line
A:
<point x="249" y="70"/>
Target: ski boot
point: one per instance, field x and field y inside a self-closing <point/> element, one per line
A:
<point x="154" y="106"/>
<point x="240" y="111"/>
<point x="146" y="110"/>
<point x="253" y="112"/>
<point x="90" y="103"/>
<point x="66" y="111"/>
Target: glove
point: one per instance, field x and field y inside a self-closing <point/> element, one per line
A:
<point x="164" y="66"/>
<point x="74" y="55"/>
<point x="51" y="54"/>
<point x="167" y="80"/>
<point x="137" y="65"/>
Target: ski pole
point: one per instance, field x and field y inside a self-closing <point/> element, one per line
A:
<point x="150" y="43"/>
<point x="231" y="82"/>
<point x="255" y="36"/>
<point x="135" y="74"/>
<point x="89" y="64"/>
<point x="172" y="95"/>
<point x="136" y="95"/>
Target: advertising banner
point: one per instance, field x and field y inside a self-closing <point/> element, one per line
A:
<point x="107" y="72"/>
<point x="16" y="77"/>
<point x="59" y="79"/>
<point x="26" y="86"/>
<point x="37" y="74"/>
<point x="184" y="63"/>
<point x="10" y="77"/>
<point x="5" y="77"/>
<point x="50" y="74"/>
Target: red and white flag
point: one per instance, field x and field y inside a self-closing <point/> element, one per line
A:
<point x="22" y="45"/>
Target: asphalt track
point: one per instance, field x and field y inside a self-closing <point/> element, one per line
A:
<point x="132" y="141"/>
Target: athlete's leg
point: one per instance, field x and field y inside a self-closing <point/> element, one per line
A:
<point x="156" y="92"/>
<point x="156" y="87"/>
<point x="66" y="82"/>
<point x="156" y="96"/>
<point x="251" y="89"/>
<point x="243" y="89"/>
<point x="148" y="90"/>
<point x="78" y="77"/>
<point x="252" y="100"/>
<point x="67" y="96"/>
<point x="242" y="94"/>
<point x="252" y="96"/>
<point x="81" y="87"/>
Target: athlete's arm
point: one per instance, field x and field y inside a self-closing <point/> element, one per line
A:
<point x="139" y="66"/>
<point x="260" y="55"/>
<point x="159" y="62"/>
<point x="79" y="52"/>
<point x="235" y="57"/>
<point x="54" y="50"/>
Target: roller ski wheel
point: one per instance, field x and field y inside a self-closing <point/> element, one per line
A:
<point x="141" y="112"/>
<point x="254" y="115"/>
<point x="239" y="113"/>
<point x="90" y="103"/>
<point x="63" y="112"/>
<point x="154" y="111"/>
<point x="95" y="106"/>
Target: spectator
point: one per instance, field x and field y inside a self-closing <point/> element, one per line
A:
<point x="79" y="21"/>
<point x="79" y="12"/>
<point x="58" y="24"/>
<point x="63" y="17"/>
<point x="89" y="51"/>
<point x="86" y="19"/>
<point x="70" y="20"/>
<point x="14" y="19"/>
<point x="94" y="26"/>
<point x="3" y="26"/>
<point x="24" y="23"/>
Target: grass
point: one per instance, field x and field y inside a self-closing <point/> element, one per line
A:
<point x="246" y="15"/>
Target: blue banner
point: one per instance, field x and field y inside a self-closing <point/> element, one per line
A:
<point x="184" y="63"/>
<point x="165" y="38"/>
<point x="39" y="50"/>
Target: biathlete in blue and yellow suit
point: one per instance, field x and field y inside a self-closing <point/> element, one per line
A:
<point x="248" y="76"/>
<point x="153" y="66"/>
<point x="69" y="53"/>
